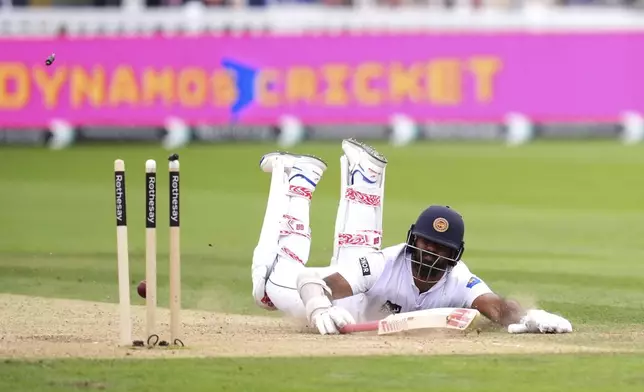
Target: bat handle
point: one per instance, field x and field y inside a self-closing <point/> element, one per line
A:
<point x="360" y="327"/>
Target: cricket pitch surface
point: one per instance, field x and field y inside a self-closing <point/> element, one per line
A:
<point x="36" y="328"/>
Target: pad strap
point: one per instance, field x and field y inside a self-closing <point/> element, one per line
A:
<point x="372" y="238"/>
<point x="362" y="195"/>
<point x="288" y="253"/>
<point x="299" y="191"/>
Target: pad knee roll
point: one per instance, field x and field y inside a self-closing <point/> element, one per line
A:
<point x="291" y="225"/>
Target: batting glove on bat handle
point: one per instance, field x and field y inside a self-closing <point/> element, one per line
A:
<point x="330" y="321"/>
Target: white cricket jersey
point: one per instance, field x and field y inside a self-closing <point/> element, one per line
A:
<point x="382" y="284"/>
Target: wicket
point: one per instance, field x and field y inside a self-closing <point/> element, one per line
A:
<point x="125" y="322"/>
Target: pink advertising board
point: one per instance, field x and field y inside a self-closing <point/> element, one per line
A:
<point x="322" y="80"/>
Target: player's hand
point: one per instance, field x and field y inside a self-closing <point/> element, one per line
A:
<point x="330" y="320"/>
<point x="540" y="321"/>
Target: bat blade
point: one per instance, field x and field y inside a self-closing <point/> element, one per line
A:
<point x="440" y="318"/>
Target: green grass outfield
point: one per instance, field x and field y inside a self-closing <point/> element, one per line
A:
<point x="559" y="223"/>
<point x="485" y="374"/>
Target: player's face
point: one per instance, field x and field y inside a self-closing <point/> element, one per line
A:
<point x="431" y="261"/>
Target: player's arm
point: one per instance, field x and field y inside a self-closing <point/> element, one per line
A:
<point x="317" y="291"/>
<point x="498" y="309"/>
<point x="518" y="320"/>
<point x="476" y="294"/>
<point x="339" y="286"/>
<point x="356" y="276"/>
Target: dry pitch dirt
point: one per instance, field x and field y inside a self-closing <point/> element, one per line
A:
<point x="32" y="327"/>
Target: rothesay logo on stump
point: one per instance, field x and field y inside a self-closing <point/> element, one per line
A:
<point x="151" y="215"/>
<point x="119" y="186"/>
<point x="174" y="199"/>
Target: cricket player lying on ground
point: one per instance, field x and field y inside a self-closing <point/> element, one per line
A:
<point x="364" y="282"/>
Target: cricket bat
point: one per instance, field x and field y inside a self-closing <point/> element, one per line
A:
<point x="445" y="318"/>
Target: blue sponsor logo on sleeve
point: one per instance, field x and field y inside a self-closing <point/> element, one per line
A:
<point x="473" y="282"/>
